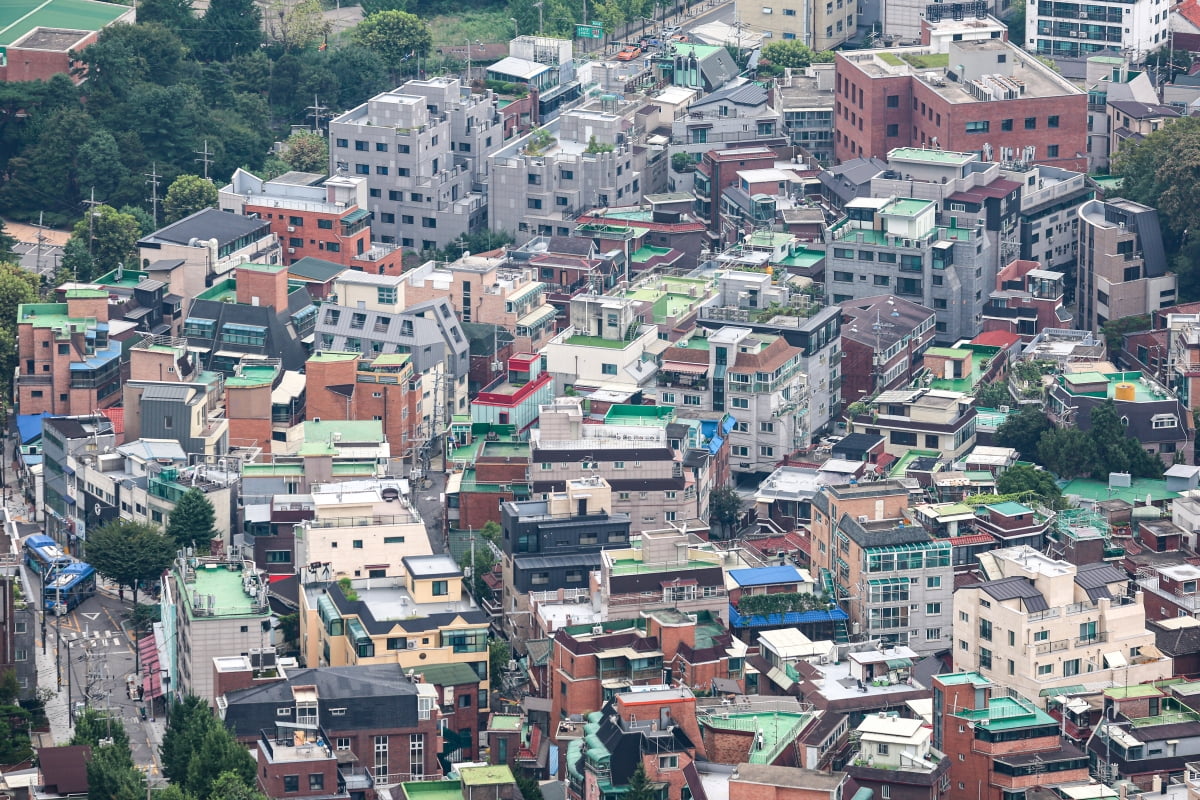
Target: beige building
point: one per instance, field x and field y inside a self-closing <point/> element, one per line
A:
<point x="606" y="345"/>
<point x="1038" y="624"/>
<point x="929" y="419"/>
<point x="361" y="529"/>
<point x="820" y="24"/>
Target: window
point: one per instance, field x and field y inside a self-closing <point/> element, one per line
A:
<point x="691" y="399"/>
<point x="380" y="147"/>
<point x="766" y="427"/>
<point x="985" y="658"/>
<point x="342" y="743"/>
<point x="933" y="634"/>
<point x="1052" y="122"/>
<point x="362" y="169"/>
<point x="769" y="452"/>
<point x="892" y="131"/>
<point x="416" y="755"/>
<point x="1041" y="636"/>
<point x="883" y="749"/>
<point x="381" y="757"/>
<point x="393" y="540"/>
<point x="1052" y="151"/>
<point x="668" y="762"/>
<point x="1006" y="124"/>
<point x="932" y="609"/>
<point x="982" y="126"/>
<point x="279" y="557"/>
<point x="608" y="369"/>
<point x="428" y="222"/>
<point x="291" y="783"/>
<point x="933" y="583"/>
<point x="903" y="438"/>
<point x="316" y="780"/>
<point x="893" y="101"/>
<point x="360" y="145"/>
<point x="441" y="588"/>
<point x="1031" y="123"/>
<point x="1045" y="669"/>
<point x="357" y="544"/>
<point x="739" y="402"/>
<point x="342" y="142"/>
<point x="1070" y="667"/>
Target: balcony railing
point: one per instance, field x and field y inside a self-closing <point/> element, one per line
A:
<point x="1096" y="638"/>
<point x="1053" y="647"/>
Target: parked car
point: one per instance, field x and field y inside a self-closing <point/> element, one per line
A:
<point x="629" y="53"/>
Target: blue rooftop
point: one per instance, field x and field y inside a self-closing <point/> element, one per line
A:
<point x="29" y="426"/>
<point x="763" y="576"/>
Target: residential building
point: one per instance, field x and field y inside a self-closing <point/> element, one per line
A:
<point x="65" y="439"/>
<point x="1112" y="77"/>
<point x="254" y="314"/>
<point x="765" y="597"/>
<point x="1006" y="744"/>
<point x="1132" y="121"/>
<point x="491" y="467"/>
<point x="316" y="274"/>
<point x="1039" y="624"/>
<point x="821" y="26"/>
<point x="374" y="316"/>
<point x="202" y="249"/>
<point x="718" y="170"/>
<point x="487" y="289"/>
<point x="1137" y="29"/>
<point x="661" y="469"/>
<point x="211" y="606"/>
<point x="1026" y="301"/>
<point x="819" y="337"/>
<point x="933" y="419"/>
<point x="540" y="182"/>
<point x="665" y="234"/>
<point x="18" y="626"/>
<point x="739" y="113"/>
<point x="385" y="387"/>
<point x="1013" y="524"/>
<point x="1152" y="415"/>
<point x="592" y="664"/>
<point x="666" y="571"/>
<point x="515" y="396"/>
<point x="767" y="393"/>
<point x="959" y="100"/>
<point x="883" y="338"/>
<point x="897" y="752"/>
<point x="604" y="346"/>
<point x="763" y="782"/>
<point x="899" y="245"/>
<point x="67" y="361"/>
<point x="806" y="102"/>
<point x="423" y="149"/>
<point x="861" y="542"/>
<point x="382" y="527"/>
<point x="421" y="618"/>
<point x="1169" y="591"/>
<point x="1122" y="265"/>
<point x="1152" y="730"/>
<point x="365" y="718"/>
<point x="189" y="413"/>
<point x="1047" y="225"/>
<point x="555" y="543"/>
<point x="314" y="216"/>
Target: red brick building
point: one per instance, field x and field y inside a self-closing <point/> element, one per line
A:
<point x="717" y="171"/>
<point x="40" y="36"/>
<point x="351" y="386"/>
<point x="985" y="96"/>
<point x="883" y="338"/>
<point x="766" y="782"/>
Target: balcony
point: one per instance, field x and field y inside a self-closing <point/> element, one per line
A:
<point x="1053" y="647"/>
<point x="355" y="777"/>
<point x="1095" y="638"/>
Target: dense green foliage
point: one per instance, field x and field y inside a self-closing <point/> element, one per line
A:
<point x="193" y="522"/>
<point x="201" y="756"/>
<point x="15" y="747"/>
<point x="1032" y="485"/>
<point x="1023" y="431"/>
<point x="129" y="553"/>
<point x="187" y="195"/>
<point x="779" y="603"/>
<point x="17" y="286"/>
<point x="1104" y="448"/>
<point x="724" y="509"/>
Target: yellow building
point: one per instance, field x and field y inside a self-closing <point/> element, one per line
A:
<point x="420" y="618"/>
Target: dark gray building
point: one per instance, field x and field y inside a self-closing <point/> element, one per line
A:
<point x="223" y="333"/>
<point x="64" y="438"/>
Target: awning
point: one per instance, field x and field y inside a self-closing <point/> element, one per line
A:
<point x="1115" y="660"/>
<point x="151" y="673"/>
<point x="898" y="663"/>
<point x="355" y="216"/>
<point x="680" y="366"/>
<point x="1074" y="688"/>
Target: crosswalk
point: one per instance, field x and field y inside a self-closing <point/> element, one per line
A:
<point x="96" y="639"/>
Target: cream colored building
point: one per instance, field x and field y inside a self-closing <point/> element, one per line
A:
<point x="820" y="24"/>
<point x="1038" y="624"/>
<point x="361" y="529"/>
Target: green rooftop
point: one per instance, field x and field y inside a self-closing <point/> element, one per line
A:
<point x="270" y="269"/>
<point x="129" y="278"/>
<point x="225" y="586"/>
<point x="1142" y="392"/>
<point x="1130" y="692"/>
<point x="635" y="566"/>
<point x="495" y="775"/>
<point x="222" y="292"/>
<point x="504" y="722"/>
<point x="771" y="239"/>
<point x="332" y="356"/>
<point x="1007" y="713"/>
<point x="453" y="674"/>
<point x="1010" y="509"/>
<point x="959" y="678"/>
<point x="932" y="156"/>
<point x="993" y="417"/>
<point x="257" y="375"/>
<point x="647" y="252"/>
<point x="20" y="18"/>
<point x="625" y="414"/>
<point x="906" y="207"/>
<point x="319" y="436"/>
<point x="803" y="257"/>
<point x="1109" y="183"/>
<point x="52" y="315"/>
<point x="432" y="790"/>
<point x="1135" y="494"/>
<point x="500" y="449"/>
<point x="630" y="214"/>
<point x="253" y="470"/>
<point x="86" y="294"/>
<point x="981" y="357"/>
<point x="778" y="729"/>
<point x="596" y="341"/>
<point x="900" y="466"/>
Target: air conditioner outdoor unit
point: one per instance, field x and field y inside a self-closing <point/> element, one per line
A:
<point x="291" y="249"/>
<point x="291" y="228"/>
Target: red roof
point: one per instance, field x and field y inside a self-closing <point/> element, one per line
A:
<point x="971" y="538"/>
<point x="1001" y="339"/>
<point x="117" y="417"/>
<point x="151" y="673"/>
<point x="1189" y="10"/>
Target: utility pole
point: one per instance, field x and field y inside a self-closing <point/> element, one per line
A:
<point x="541" y="25"/>
<point x="91" y="203"/>
<point x="41" y="240"/>
<point x="316" y="111"/>
<point x="205" y="158"/>
<point x="153" y="177"/>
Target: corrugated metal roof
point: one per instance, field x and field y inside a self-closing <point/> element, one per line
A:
<point x="1014" y="588"/>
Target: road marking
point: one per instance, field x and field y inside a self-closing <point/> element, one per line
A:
<point x="93" y="615"/>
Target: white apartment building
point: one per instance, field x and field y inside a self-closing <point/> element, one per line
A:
<point x="1037" y="624"/>
<point x="1055" y="29"/>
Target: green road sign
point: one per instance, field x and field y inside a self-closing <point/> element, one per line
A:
<point x="589" y="31"/>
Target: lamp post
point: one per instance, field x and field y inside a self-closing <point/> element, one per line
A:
<point x="516" y="29"/>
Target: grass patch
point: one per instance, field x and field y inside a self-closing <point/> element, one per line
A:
<point x="930" y="61"/>
<point x="449" y="30"/>
<point x="890" y="59"/>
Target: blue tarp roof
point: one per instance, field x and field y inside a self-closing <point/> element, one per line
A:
<point x="736" y="620"/>
<point x="761" y="576"/>
<point x="29" y="426"/>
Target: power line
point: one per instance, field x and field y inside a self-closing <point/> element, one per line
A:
<point x="317" y="111"/>
<point x="205" y="158"/>
<point x="152" y="179"/>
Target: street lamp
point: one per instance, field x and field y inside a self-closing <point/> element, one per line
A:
<point x="516" y="30"/>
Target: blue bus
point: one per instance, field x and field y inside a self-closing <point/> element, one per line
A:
<point x="69" y="586"/>
<point x="43" y="555"/>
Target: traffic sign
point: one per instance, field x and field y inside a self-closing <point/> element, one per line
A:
<point x="589" y="31"/>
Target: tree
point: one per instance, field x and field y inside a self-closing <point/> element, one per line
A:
<point x="484" y="561"/>
<point x="15" y="746"/>
<point x="193" y="522"/>
<point x="1115" y="329"/>
<point x="370" y="7"/>
<point x="113" y="238"/>
<point x="1024" y="478"/>
<point x="175" y="15"/>
<point x="1067" y="452"/>
<point x="100" y="165"/>
<point x="640" y="787"/>
<point x="187" y="195"/>
<point x="144" y="220"/>
<point x="111" y="774"/>
<point x="228" y="29"/>
<point x="295" y="25"/>
<point x="219" y="754"/>
<point x="993" y="395"/>
<point x="17" y="286"/>
<point x="396" y="36"/>
<point x="7" y="243"/>
<point x="724" y="509"/>
<point x="683" y="162"/>
<point x="499" y="654"/>
<point x="306" y="151"/>
<point x="1117" y="451"/>
<point x="190" y="720"/>
<point x="789" y="53"/>
<point x="94" y="724"/>
<point x="129" y="553"/>
<point x="1016" y="21"/>
<point x="231" y="786"/>
<point x="1023" y="431"/>
<point x="360" y="73"/>
<point x="491" y="531"/>
<point x="529" y="788"/>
